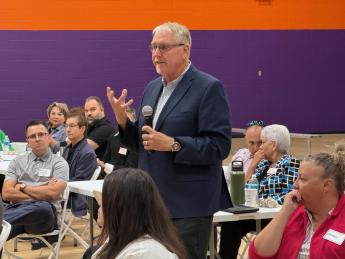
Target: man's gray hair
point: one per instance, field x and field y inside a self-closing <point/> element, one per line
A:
<point x="279" y="134"/>
<point x="181" y="32"/>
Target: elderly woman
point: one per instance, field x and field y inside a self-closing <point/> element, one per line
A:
<point x="311" y="221"/>
<point x="275" y="169"/>
<point x="276" y="172"/>
<point x="57" y="114"/>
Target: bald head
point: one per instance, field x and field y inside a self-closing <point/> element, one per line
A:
<point x="253" y="138"/>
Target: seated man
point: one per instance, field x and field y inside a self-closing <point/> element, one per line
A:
<point x="99" y="127"/>
<point x="253" y="143"/>
<point x="80" y="157"/>
<point x="117" y="155"/>
<point x="34" y="184"/>
<point x="276" y="172"/>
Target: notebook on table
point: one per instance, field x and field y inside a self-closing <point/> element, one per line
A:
<point x="238" y="209"/>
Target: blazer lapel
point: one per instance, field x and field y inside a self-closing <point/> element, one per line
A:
<point x="77" y="150"/>
<point x="154" y="96"/>
<point x="178" y="93"/>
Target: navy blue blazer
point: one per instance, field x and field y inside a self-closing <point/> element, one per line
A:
<point x="197" y="115"/>
<point x="82" y="166"/>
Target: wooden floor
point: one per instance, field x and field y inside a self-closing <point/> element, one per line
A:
<point x="68" y="250"/>
<point x="298" y="148"/>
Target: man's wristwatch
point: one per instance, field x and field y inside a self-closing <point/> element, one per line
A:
<point x="176" y="146"/>
<point x="22" y="186"/>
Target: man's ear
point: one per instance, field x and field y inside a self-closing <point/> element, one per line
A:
<point x="186" y="52"/>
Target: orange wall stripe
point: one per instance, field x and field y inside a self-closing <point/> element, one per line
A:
<point x="196" y="14"/>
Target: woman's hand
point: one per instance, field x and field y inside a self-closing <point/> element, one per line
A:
<point x="291" y="201"/>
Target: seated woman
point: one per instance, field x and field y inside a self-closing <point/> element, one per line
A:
<point x="311" y="221"/>
<point x="276" y="172"/>
<point x="57" y="114"/>
<point x="135" y="220"/>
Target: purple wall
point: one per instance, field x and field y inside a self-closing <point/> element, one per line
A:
<point x="301" y="84"/>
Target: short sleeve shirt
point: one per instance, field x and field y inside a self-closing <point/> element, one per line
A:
<point x="99" y="132"/>
<point x="37" y="171"/>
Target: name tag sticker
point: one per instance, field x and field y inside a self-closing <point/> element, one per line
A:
<point x="44" y="172"/>
<point x="123" y="151"/>
<point x="272" y="171"/>
<point x="334" y="236"/>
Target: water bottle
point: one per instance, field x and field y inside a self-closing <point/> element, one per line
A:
<point x="251" y="192"/>
<point x="6" y="145"/>
<point x="237" y="183"/>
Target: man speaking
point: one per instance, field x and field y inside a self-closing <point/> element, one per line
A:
<point x="189" y="137"/>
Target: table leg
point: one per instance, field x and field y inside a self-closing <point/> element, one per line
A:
<point x="91" y="219"/>
<point x="258" y="225"/>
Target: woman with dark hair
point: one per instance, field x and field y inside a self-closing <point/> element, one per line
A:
<point x="311" y="221"/>
<point x="136" y="221"/>
<point x="57" y="115"/>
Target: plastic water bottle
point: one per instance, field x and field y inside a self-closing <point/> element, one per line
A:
<point x="237" y="183"/>
<point x="251" y="192"/>
<point x="6" y="145"/>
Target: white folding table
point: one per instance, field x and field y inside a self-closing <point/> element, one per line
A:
<point x="222" y="216"/>
<point x="88" y="187"/>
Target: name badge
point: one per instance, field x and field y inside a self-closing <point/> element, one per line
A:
<point x="123" y="151"/>
<point x="44" y="172"/>
<point x="334" y="236"/>
<point x="272" y="171"/>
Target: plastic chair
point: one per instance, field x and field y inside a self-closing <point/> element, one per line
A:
<point x="247" y="239"/>
<point x="55" y="250"/>
<point x="67" y="226"/>
<point x="6" y="230"/>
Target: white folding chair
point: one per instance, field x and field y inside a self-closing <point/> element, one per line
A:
<point x="246" y="239"/>
<point x="67" y="226"/>
<point x="5" y="232"/>
<point x="55" y="249"/>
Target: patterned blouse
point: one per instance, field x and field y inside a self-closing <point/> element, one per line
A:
<point x="276" y="181"/>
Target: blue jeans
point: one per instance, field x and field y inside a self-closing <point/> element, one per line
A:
<point x="33" y="217"/>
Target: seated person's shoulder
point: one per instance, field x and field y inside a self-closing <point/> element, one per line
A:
<point x="147" y="248"/>
<point x="60" y="168"/>
<point x="290" y="160"/>
<point x="241" y="154"/>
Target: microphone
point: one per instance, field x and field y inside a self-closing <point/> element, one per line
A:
<point x="148" y="115"/>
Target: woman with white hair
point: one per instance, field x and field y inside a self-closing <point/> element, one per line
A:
<point x="276" y="172"/>
<point x="275" y="169"/>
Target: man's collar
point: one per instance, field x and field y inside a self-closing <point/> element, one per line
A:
<point x="43" y="158"/>
<point x="178" y="79"/>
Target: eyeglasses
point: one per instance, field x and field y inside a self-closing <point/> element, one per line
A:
<point x="71" y="126"/>
<point x="256" y="123"/>
<point x="163" y="47"/>
<point x="38" y="135"/>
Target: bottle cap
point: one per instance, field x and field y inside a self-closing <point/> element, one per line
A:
<point x="237" y="166"/>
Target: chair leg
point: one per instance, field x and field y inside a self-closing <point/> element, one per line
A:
<point x="15" y="244"/>
<point x="75" y="244"/>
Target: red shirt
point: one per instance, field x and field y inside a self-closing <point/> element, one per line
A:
<point x="295" y="231"/>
